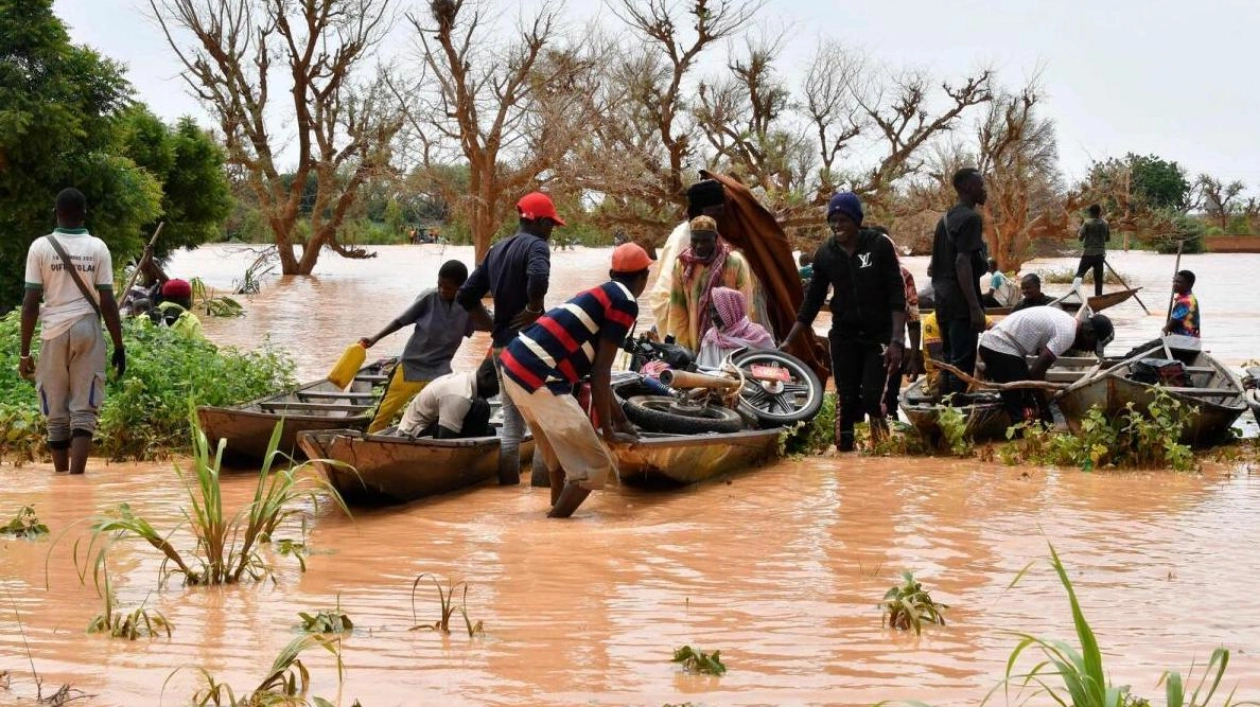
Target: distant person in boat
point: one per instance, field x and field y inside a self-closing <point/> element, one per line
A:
<point x="708" y="263"/>
<point x="70" y="373"/>
<point x="1184" y="320"/>
<point x="1046" y="333"/>
<point x="806" y="269"/>
<point x="1001" y="292"/>
<point x="543" y="364"/>
<point x="868" y="315"/>
<point x="958" y="259"/>
<point x="453" y="406"/>
<point x="1030" y="287"/>
<point x="1094" y="235"/>
<point x="440" y="326"/>
<point x="517" y="272"/>
<point x="176" y="308"/>
<point x="732" y="330"/>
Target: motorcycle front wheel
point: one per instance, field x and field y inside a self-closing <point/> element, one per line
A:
<point x="776" y="403"/>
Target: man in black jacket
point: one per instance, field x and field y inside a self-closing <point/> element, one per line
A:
<point x="958" y="259"/>
<point x="868" y="315"/>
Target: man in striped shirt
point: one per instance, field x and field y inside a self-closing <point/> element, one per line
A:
<point x="543" y="363"/>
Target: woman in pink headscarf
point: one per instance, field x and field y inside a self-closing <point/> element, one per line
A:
<point x="732" y="329"/>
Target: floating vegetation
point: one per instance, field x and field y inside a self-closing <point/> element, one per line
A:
<point x="24" y="525"/>
<point x="287" y="683"/>
<point x="141" y="623"/>
<point x="326" y="621"/>
<point x="697" y="661"/>
<point x="908" y="606"/>
<point x="446" y="599"/>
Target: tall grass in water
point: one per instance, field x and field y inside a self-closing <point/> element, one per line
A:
<point x="1069" y="676"/>
<point x="287" y="683"/>
<point x="227" y="549"/>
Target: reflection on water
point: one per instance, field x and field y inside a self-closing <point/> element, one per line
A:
<point x="779" y="569"/>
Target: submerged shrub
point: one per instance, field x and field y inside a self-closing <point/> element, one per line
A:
<point x="908" y="606"/>
<point x="145" y="414"/>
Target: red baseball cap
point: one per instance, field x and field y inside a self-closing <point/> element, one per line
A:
<point x="536" y="205"/>
<point x="630" y="257"/>
<point x="177" y="288"/>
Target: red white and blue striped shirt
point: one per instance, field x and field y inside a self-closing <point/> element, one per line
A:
<point x="558" y="350"/>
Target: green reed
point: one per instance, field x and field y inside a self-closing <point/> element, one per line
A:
<point x="446" y="602"/>
<point x="908" y="606"/>
<point x="694" y="660"/>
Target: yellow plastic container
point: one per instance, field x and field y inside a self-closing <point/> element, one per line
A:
<point x="342" y="374"/>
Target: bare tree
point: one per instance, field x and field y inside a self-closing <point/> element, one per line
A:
<point x="343" y="128"/>
<point x="504" y="104"/>
<point x="1217" y="199"/>
<point x="831" y="105"/>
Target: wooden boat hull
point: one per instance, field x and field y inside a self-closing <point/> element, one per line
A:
<point x="985" y="421"/>
<point x="314" y="406"/>
<point x="383" y="469"/>
<point x="1111" y="391"/>
<point x="1097" y="303"/>
<point x="686" y="459"/>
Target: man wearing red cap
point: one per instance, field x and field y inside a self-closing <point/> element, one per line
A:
<point x="544" y="362"/>
<point x="516" y="272"/>
<point x="176" y="308"/>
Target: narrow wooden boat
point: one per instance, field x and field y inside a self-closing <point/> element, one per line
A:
<point x="318" y="405"/>
<point x="1069" y="303"/>
<point x="668" y="459"/>
<point x="1214" y="391"/>
<point x="985" y="417"/>
<point x="377" y="469"/>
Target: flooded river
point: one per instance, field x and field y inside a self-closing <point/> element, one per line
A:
<point x="780" y="569"/>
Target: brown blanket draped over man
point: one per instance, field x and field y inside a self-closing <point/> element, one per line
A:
<point x="748" y="226"/>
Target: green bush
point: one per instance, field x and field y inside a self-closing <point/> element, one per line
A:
<point x="811" y="437"/>
<point x="145" y="415"/>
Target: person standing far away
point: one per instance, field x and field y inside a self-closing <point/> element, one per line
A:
<point x="73" y="273"/>
<point x="516" y="272"/>
<point x="440" y="327"/>
<point x="1184" y="320"/>
<point x="1030" y="287"/>
<point x="707" y="264"/>
<point x="868" y="316"/>
<point x="958" y="258"/>
<point x="704" y="198"/>
<point x="543" y="363"/>
<point x="1094" y="234"/>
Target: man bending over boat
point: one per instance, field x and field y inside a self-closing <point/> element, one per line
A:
<point x="453" y="406"/>
<point x="542" y="364"/>
<point x="1044" y="332"/>
<point x="440" y="327"/>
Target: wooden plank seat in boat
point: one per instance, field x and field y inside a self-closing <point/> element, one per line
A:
<point x="372" y="378"/>
<point x="334" y="395"/>
<point x="323" y="407"/>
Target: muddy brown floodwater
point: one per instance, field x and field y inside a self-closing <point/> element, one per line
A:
<point x="779" y="568"/>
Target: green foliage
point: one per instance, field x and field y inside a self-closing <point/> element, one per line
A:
<point x="287" y="683"/>
<point x="1185" y="229"/>
<point x="697" y="661"/>
<point x="1069" y="676"/>
<point x="140" y="623"/>
<point x="908" y="605"/>
<point x="954" y="437"/>
<point x="145" y="413"/>
<point x="446" y="600"/>
<point x="1159" y="183"/>
<point x="228" y="547"/>
<point x="811" y="437"/>
<point x="207" y="302"/>
<point x="326" y="621"/>
<point x="1135" y="439"/>
<point x="24" y="525"/>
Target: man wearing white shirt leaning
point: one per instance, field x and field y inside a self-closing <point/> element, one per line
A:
<point x="72" y="272"/>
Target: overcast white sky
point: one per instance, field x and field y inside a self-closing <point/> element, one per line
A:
<point x="1149" y="76"/>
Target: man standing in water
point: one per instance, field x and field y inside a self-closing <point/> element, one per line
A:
<point x="868" y="315"/>
<point x="958" y="258"/>
<point x="547" y="359"/>
<point x="73" y="273"/>
<point x="516" y="272"/>
<point x="1094" y="234"/>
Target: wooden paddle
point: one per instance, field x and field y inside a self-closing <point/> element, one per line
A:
<point x="1126" y="286"/>
<point x="990" y="385"/>
<point x="148" y="255"/>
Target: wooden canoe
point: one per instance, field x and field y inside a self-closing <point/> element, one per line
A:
<point x="1214" y="391"/>
<point x="318" y="405"/>
<point x="388" y="469"/>
<point x="1096" y="304"/>
<point x="986" y="418"/>
<point x="672" y="460"/>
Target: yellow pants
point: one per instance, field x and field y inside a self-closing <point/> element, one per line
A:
<point x="397" y="394"/>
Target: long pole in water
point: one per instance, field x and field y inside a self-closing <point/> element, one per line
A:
<point x="148" y="252"/>
<point x="1126" y="286"/>
<point x="1176" y="269"/>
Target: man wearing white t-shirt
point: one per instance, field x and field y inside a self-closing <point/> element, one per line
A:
<point x="1043" y="332"/>
<point x="70" y="373"/>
